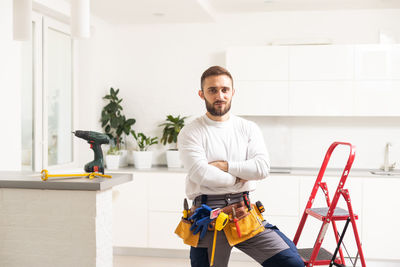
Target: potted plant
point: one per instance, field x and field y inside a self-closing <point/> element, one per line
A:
<point x="113" y="158"/>
<point x="115" y="124"/>
<point x="172" y="127"/>
<point x="143" y="158"/>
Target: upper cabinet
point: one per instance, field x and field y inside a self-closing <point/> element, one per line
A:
<point x="258" y="63"/>
<point x="320" y="98"/>
<point x="316" y="80"/>
<point x="321" y="63"/>
<point x="377" y="62"/>
<point x="261" y="98"/>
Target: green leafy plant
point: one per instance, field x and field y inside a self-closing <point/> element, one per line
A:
<point x="172" y="127"/>
<point x="143" y="141"/>
<point x="113" y="120"/>
<point x="113" y="150"/>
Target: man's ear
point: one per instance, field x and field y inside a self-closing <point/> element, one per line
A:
<point x="233" y="91"/>
<point x="201" y="94"/>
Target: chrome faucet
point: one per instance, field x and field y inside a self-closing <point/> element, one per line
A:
<point x="386" y="166"/>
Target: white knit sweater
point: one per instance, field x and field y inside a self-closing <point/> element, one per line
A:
<point x="237" y="141"/>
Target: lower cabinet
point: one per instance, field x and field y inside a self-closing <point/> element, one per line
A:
<point x="381" y="233"/>
<point x="162" y="226"/>
<point x="147" y="210"/>
<point x="130" y="220"/>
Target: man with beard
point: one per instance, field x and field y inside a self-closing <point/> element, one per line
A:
<point x="224" y="156"/>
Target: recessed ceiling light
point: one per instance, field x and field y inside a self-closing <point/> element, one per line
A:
<point x="268" y="1"/>
<point x="158" y="14"/>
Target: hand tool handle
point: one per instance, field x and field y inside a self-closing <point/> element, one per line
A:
<point x="247" y="201"/>
<point x="213" y="248"/>
<point x="186" y="210"/>
<point x="237" y="227"/>
<point x="235" y="220"/>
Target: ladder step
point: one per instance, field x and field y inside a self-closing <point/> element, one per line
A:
<point x="323" y="258"/>
<point x="339" y="214"/>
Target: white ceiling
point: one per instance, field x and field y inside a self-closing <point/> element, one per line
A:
<point x="192" y="11"/>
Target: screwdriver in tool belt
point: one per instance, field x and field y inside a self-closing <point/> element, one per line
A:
<point x="235" y="220"/>
<point x="186" y="211"/>
<point x="247" y="201"/>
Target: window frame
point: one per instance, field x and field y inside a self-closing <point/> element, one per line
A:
<point x="40" y="88"/>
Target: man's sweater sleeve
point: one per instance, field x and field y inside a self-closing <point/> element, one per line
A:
<point x="257" y="165"/>
<point x="195" y="162"/>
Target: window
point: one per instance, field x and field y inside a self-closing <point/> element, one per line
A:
<point x="47" y="97"/>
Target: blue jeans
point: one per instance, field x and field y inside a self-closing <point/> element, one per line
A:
<point x="286" y="258"/>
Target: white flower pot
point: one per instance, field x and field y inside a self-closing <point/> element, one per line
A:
<point x="112" y="162"/>
<point x="142" y="159"/>
<point x="130" y="157"/>
<point x="173" y="159"/>
<point x="123" y="159"/>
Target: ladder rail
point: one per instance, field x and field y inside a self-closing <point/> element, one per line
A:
<point x="342" y="181"/>
<point x="318" y="182"/>
<point x="325" y="190"/>
<point x="346" y="196"/>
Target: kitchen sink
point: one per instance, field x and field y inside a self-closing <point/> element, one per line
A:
<point x="280" y="170"/>
<point x="388" y="173"/>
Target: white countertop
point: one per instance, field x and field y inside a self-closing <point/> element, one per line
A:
<point x="362" y="173"/>
<point x="32" y="180"/>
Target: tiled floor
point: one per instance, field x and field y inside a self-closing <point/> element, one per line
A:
<point x="135" y="261"/>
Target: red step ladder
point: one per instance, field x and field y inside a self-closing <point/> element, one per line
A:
<point x="330" y="214"/>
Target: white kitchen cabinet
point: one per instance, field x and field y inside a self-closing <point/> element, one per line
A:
<point x="147" y="210"/>
<point x="381" y="218"/>
<point x="321" y="98"/>
<point x="166" y="194"/>
<point x="377" y="62"/>
<point x="261" y="98"/>
<point x="316" y="80"/>
<point x="279" y="194"/>
<point x="377" y="98"/>
<point x="321" y="63"/>
<point x="162" y="230"/>
<point x="259" y="63"/>
<point x="130" y="209"/>
<point x="166" y="191"/>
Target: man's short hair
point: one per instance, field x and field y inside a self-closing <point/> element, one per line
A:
<point x="215" y="71"/>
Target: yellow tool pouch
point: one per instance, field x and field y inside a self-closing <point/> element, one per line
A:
<point x="250" y="225"/>
<point x="183" y="231"/>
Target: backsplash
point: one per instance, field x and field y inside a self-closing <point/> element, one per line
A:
<point x="303" y="141"/>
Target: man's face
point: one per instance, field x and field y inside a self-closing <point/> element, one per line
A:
<point x="217" y="93"/>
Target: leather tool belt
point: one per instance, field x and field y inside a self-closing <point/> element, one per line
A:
<point x="249" y="221"/>
<point x="218" y="200"/>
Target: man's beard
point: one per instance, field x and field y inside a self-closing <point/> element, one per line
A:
<point x="216" y="111"/>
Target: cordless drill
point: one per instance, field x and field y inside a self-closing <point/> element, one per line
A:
<point x="95" y="140"/>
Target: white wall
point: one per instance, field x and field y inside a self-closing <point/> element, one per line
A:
<point x="10" y="102"/>
<point x="97" y="69"/>
<point x="303" y="142"/>
<point x="94" y="71"/>
<point x="158" y="67"/>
